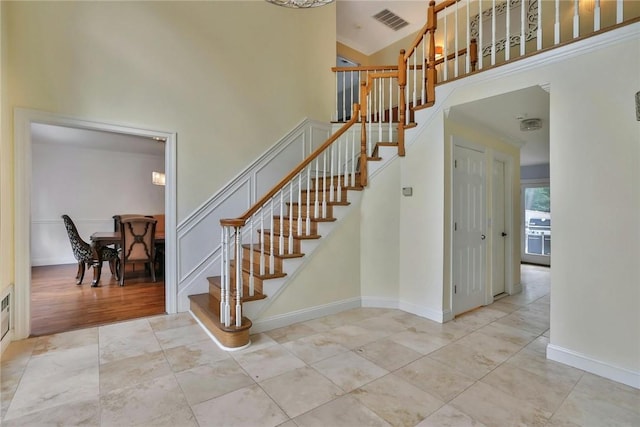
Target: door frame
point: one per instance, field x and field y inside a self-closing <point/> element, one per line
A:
<point x="511" y="287"/>
<point x="23" y="118"/>
<point x="508" y="222"/>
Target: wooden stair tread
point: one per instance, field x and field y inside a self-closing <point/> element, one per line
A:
<point x="311" y="218"/>
<point x="216" y="281"/>
<point x="274" y="275"/>
<point x="257" y="248"/>
<point x="202" y="301"/>
<point x="332" y="203"/>
<point x="295" y="234"/>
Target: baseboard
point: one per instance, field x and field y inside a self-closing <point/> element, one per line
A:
<point x="379" y="302"/>
<point x="6" y="340"/>
<point x="586" y="363"/>
<point x="282" y="320"/>
<point x="516" y="288"/>
<point x="418" y="310"/>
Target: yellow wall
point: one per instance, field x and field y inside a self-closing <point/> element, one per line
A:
<point x="229" y="77"/>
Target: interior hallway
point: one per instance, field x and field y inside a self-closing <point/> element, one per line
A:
<point x="362" y="367"/>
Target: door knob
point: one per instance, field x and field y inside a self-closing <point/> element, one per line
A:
<point x="504" y="234"/>
<point x="483" y="237"/>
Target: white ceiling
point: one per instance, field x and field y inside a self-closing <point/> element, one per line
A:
<point x="95" y="140"/>
<point x="357" y="28"/>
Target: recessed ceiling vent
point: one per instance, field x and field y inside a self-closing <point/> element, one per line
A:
<point x="530" y="124"/>
<point x="390" y="19"/>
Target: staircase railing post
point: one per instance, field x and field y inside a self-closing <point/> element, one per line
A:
<point x="363" y="134"/>
<point x="432" y="25"/>
<point x="238" y="290"/>
<point x="473" y="54"/>
<point x="402" y="83"/>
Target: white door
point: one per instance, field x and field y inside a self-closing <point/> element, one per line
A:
<point x="469" y="234"/>
<point x="499" y="231"/>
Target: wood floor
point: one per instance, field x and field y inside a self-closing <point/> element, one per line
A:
<point x="59" y="305"/>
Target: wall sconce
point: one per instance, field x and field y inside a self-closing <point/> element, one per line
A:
<point x="158" y="178"/>
<point x="439" y="51"/>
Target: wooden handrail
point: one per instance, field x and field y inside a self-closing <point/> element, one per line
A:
<point x="241" y="220"/>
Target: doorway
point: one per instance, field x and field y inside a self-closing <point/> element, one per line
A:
<point x="499" y="233"/>
<point x="23" y="175"/>
<point x="469" y="228"/>
<point x="536" y="222"/>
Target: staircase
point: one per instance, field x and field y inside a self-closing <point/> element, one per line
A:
<point x="307" y="196"/>
<point x="322" y="196"/>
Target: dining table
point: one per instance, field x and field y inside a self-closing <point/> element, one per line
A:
<point x="102" y="239"/>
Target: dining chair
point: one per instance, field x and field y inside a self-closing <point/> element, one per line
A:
<point x="83" y="254"/>
<point x="137" y="244"/>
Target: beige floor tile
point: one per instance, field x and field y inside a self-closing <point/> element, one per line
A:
<point x="435" y="378"/>
<point x="66" y="340"/>
<point x="352" y="336"/>
<point x="78" y="413"/>
<point x="195" y="354"/>
<point x="448" y="416"/>
<point x="180" y="418"/>
<point x="170" y="321"/>
<point x="181" y="335"/>
<point x="467" y="360"/>
<point x="421" y="342"/>
<point x="493" y="407"/>
<point x="132" y="370"/>
<point x="246" y="407"/>
<point x="545" y="393"/>
<point x="388" y="354"/>
<point x="291" y="332"/>
<point x="397" y="401"/>
<point x="35" y="393"/>
<point x="498" y="349"/>
<point x="268" y="362"/>
<point x="381" y="324"/>
<point x="478" y="318"/>
<point x="205" y="382"/>
<point x="349" y="371"/>
<point x="538" y="364"/>
<point x="345" y="411"/>
<point x="314" y="348"/>
<point x="518" y="337"/>
<point x="143" y="402"/>
<point x="59" y="362"/>
<point x="300" y="390"/>
<point x="127" y="339"/>
<point x="615" y="393"/>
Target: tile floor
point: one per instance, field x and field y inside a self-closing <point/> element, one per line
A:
<point x="362" y="367"/>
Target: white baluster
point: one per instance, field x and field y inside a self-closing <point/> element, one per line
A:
<point x="353" y="159"/>
<point x="523" y="23"/>
<point x="507" y="43"/>
<point x="493" y="32"/>
<point x="344" y="94"/>
<point x="271" y="250"/>
<point x="224" y="268"/>
<point x="415" y="76"/>
<point x="227" y="290"/>
<point x="300" y="204"/>
<point x="331" y="189"/>
<point x="556" y="25"/>
<point x="281" y="234"/>
<point x="324" y="184"/>
<point x="423" y="94"/>
<point x="445" y="52"/>
<point x="380" y="108"/>
<point x="351" y="97"/>
<point x="596" y="16"/>
<point x="539" y="33"/>
<point x="339" y="171"/>
<point x="576" y="19"/>
<point x="251" y="256"/>
<point x="308" y="221"/>
<point x="263" y="234"/>
<point x="290" y="240"/>
<point x="456" y="48"/>
<point x="619" y="11"/>
<point x="468" y="57"/>
<point x="238" y="277"/>
<point x="315" y="187"/>
<point x="390" y="109"/>
<point x="480" y="41"/>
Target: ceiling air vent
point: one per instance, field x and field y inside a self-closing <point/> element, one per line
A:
<point x="390" y="19"/>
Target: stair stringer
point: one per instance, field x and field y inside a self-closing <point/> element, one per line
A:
<point x="272" y="288"/>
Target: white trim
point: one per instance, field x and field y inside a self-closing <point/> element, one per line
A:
<point x="597" y="367"/>
<point x="439" y="316"/>
<point x="23" y="118"/>
<point x="281" y="320"/>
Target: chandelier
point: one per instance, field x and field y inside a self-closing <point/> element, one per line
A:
<point x="300" y="4"/>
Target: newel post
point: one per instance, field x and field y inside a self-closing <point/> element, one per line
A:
<point x="432" y="25"/>
<point x="402" y="106"/>
<point x="363" y="134"/>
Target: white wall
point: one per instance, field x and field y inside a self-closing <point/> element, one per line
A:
<point x="90" y="186"/>
<point x="595" y="171"/>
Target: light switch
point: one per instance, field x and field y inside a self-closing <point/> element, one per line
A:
<point x="407" y="191"/>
